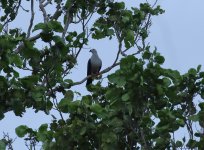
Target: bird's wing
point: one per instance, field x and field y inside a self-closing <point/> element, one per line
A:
<point x="89" y="72"/>
<point x="99" y="68"/>
<point x="89" y="67"/>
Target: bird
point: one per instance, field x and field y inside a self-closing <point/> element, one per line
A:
<point x="94" y="66"/>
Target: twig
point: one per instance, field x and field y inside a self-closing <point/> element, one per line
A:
<point x="154" y="3"/>
<point x="77" y="54"/>
<point x="31" y="19"/>
<point x="42" y="8"/>
<point x="68" y="17"/>
<point x="146" y="147"/>
<point x="90" y="14"/>
<point x="24" y="8"/>
<point x="48" y="2"/>
<point x="119" y="51"/>
<point x="54" y="96"/>
<point x="9" y="140"/>
<point x="57" y="12"/>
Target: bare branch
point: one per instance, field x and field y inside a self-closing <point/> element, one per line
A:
<point x="90" y="16"/>
<point x="57" y="12"/>
<point x="154" y="3"/>
<point x="42" y="8"/>
<point x="9" y="140"/>
<point x="69" y="18"/>
<point x="31" y="19"/>
<point x="54" y="96"/>
<point x="102" y="72"/>
<point x="88" y="34"/>
<point x="119" y="51"/>
<point x="66" y="26"/>
<point x="24" y="8"/>
<point x="48" y="2"/>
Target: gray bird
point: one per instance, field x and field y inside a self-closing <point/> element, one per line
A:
<point x="93" y="66"/>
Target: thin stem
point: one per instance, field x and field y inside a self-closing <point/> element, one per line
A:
<point x="42" y="8"/>
<point x="31" y="19"/>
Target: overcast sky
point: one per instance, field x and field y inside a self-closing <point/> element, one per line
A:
<point x="178" y="35"/>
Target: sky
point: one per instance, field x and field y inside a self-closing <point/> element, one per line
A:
<point x="178" y="35"/>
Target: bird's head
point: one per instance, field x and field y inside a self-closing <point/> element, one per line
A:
<point x="93" y="51"/>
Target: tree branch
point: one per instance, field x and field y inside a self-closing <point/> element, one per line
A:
<point x="102" y="72"/>
<point x="42" y="8"/>
<point x="48" y="2"/>
<point x="31" y="19"/>
<point x="68" y="17"/>
<point x="57" y="12"/>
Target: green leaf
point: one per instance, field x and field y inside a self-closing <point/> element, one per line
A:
<point x="129" y="38"/>
<point x="83" y="131"/>
<point x="117" y="79"/>
<point x="159" y="59"/>
<point x="43" y="127"/>
<point x="29" y="81"/>
<point x="114" y="94"/>
<point x="110" y="32"/>
<point x="15" y="59"/>
<point x="39" y="26"/>
<point x="2" y="145"/>
<point x="201" y="116"/>
<point x="146" y="55"/>
<point x="120" y="5"/>
<point x="69" y="95"/>
<point x="201" y="74"/>
<point x="126" y="97"/>
<point x="125" y="19"/>
<point x="201" y="105"/>
<point x="55" y="26"/>
<point x="42" y="132"/>
<point x="144" y="33"/>
<point x="69" y="81"/>
<point x="96" y="108"/>
<point x="47" y="36"/>
<point x="159" y="89"/>
<point x="74" y="105"/>
<point x="167" y="82"/>
<point x="87" y="99"/>
<point x="98" y="34"/>
<point x="192" y="143"/>
<point x="128" y="62"/>
<point x="198" y="68"/>
<point x="194" y="118"/>
<point x="1" y="27"/>
<point x="179" y="144"/>
<point x="63" y="105"/>
<point x="109" y="137"/>
<point x="21" y="130"/>
<point x="192" y="72"/>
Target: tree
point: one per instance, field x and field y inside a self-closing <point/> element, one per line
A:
<point x="143" y="104"/>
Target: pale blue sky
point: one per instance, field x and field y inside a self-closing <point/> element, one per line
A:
<point x="178" y="35"/>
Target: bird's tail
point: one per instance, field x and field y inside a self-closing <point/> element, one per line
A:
<point x="89" y="81"/>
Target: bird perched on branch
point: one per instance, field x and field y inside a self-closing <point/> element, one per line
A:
<point x="94" y="66"/>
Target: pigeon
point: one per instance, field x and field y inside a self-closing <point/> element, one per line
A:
<point x="93" y="66"/>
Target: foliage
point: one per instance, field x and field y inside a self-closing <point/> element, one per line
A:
<point x="143" y="104"/>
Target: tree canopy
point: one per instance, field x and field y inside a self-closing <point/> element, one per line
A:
<point x="142" y="104"/>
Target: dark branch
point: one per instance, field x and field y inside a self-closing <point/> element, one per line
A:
<point x="31" y="19"/>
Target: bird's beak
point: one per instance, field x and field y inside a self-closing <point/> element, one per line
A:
<point x="90" y="50"/>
